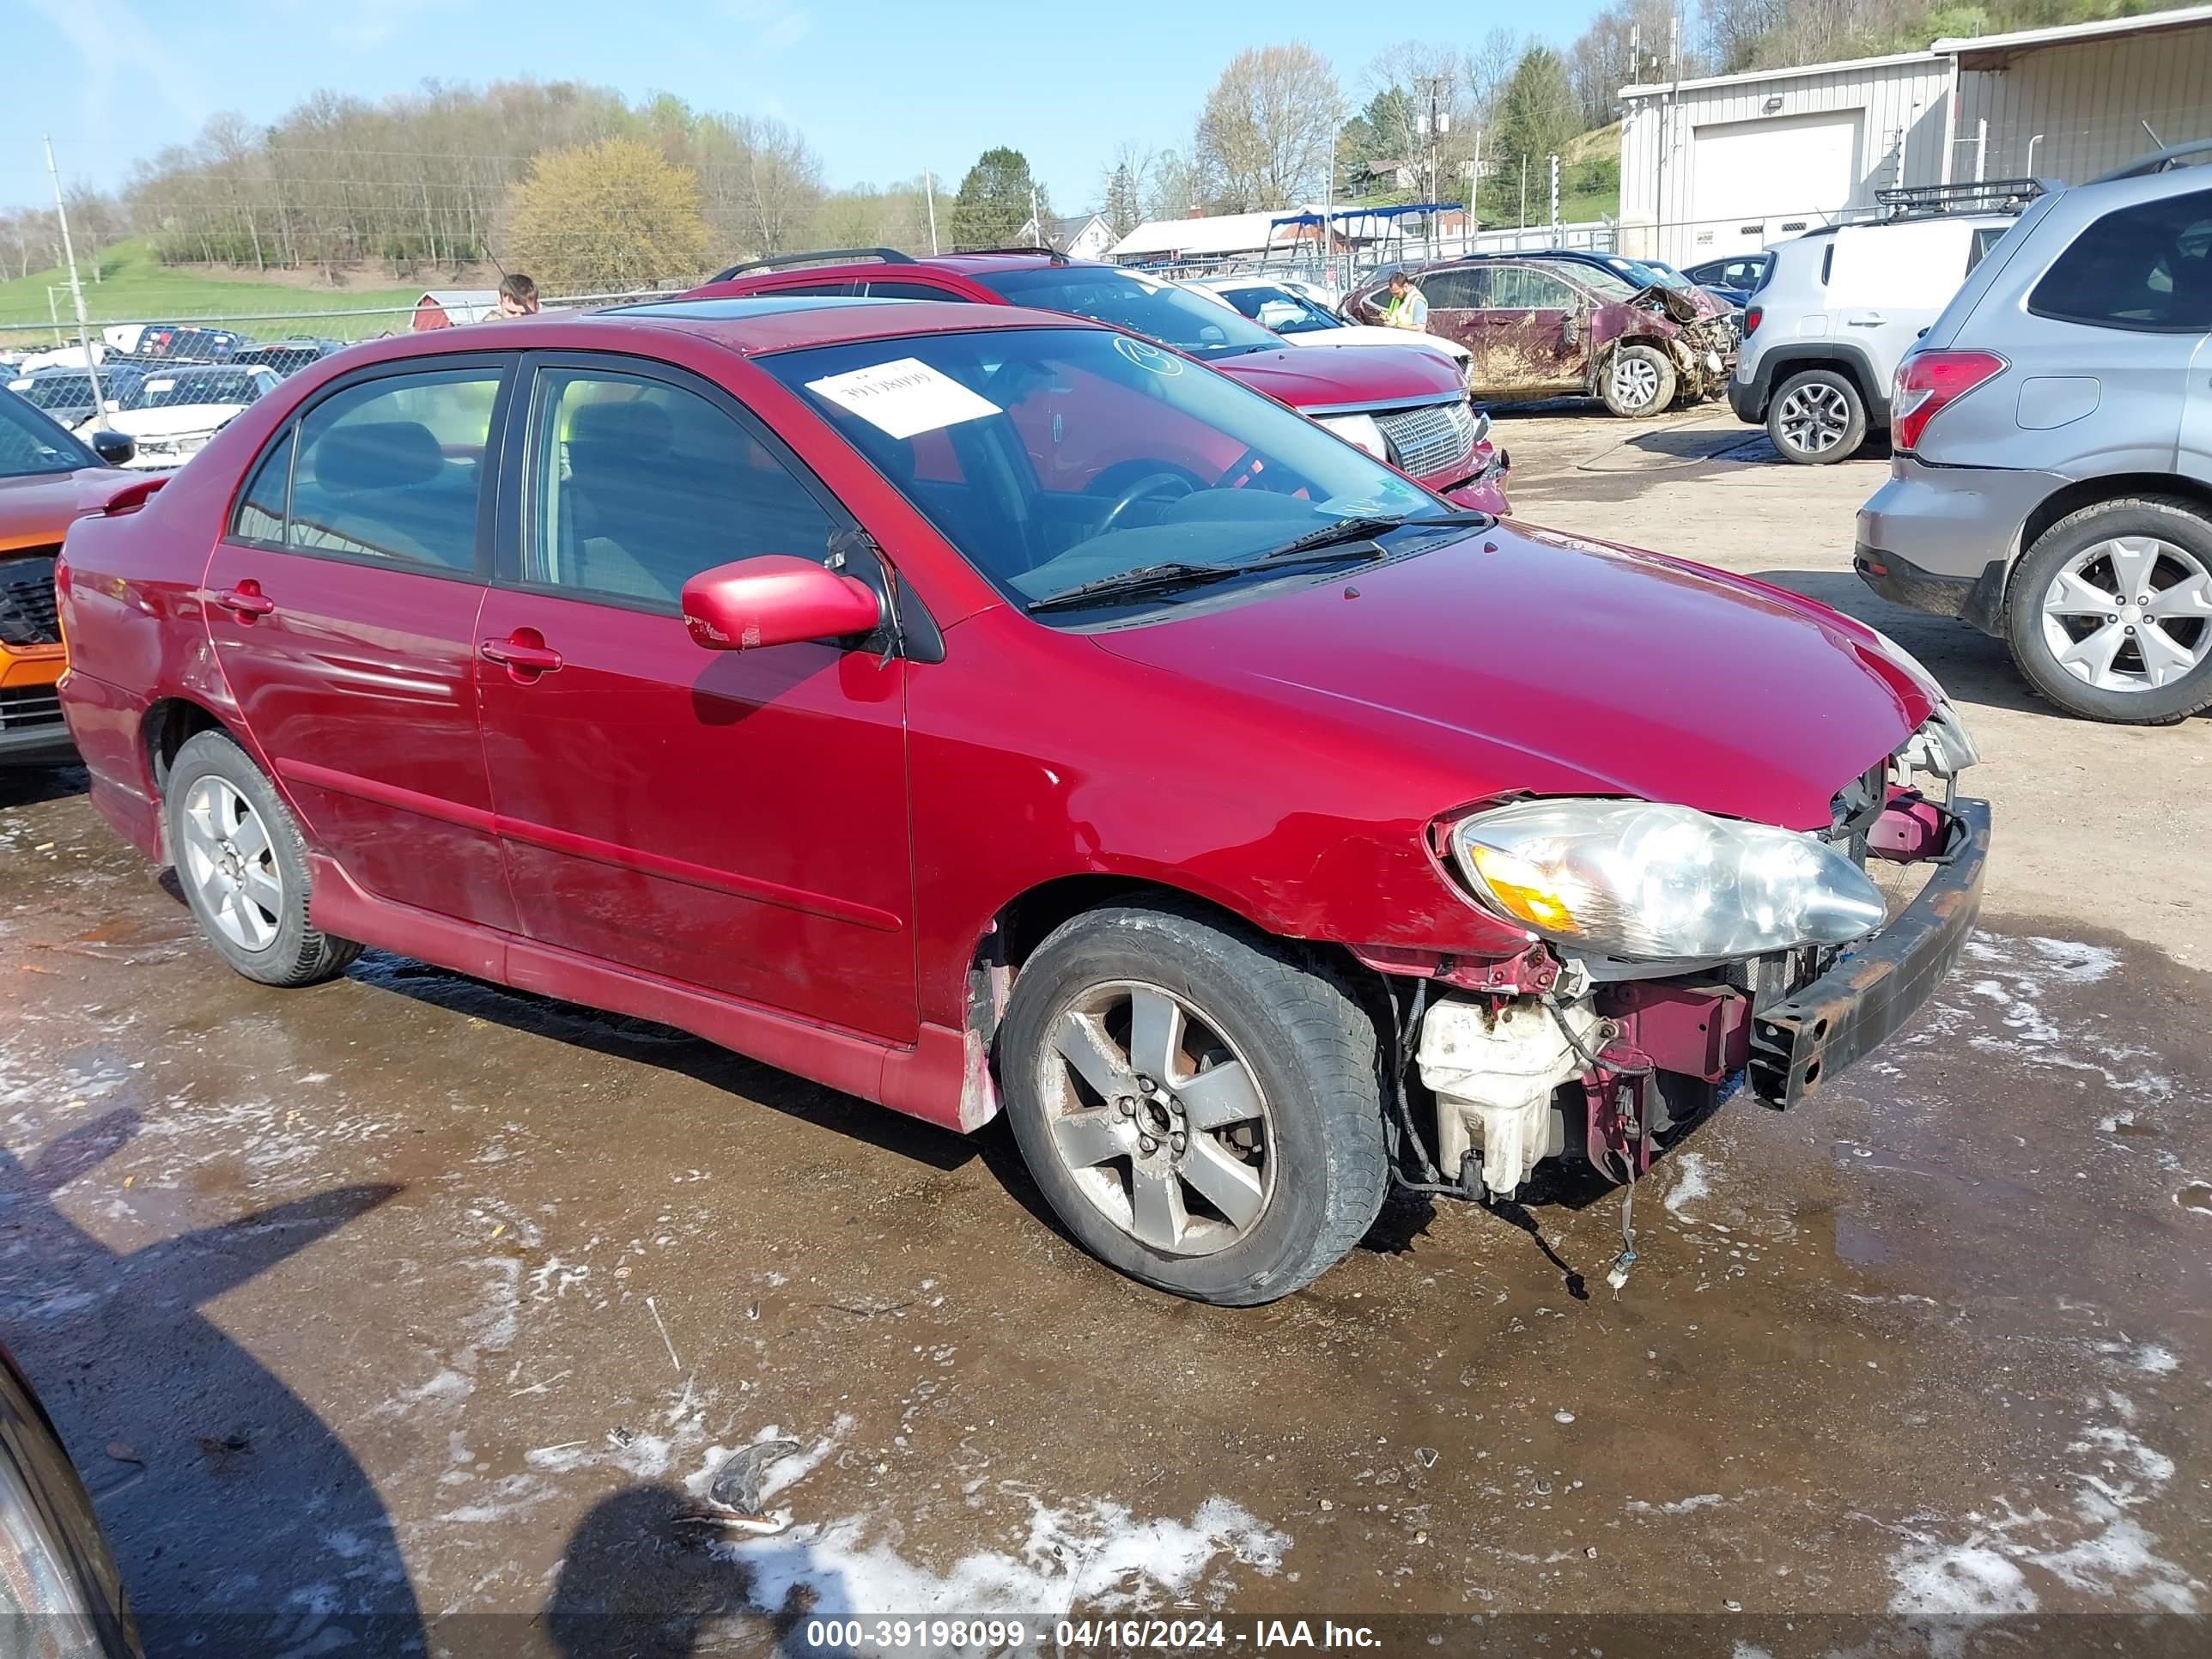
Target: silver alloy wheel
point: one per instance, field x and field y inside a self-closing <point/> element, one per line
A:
<point x="231" y="863"/>
<point x="1635" y="381"/>
<point x="1814" y="418"/>
<point x="2130" y="614"/>
<point x="1149" y="1105"/>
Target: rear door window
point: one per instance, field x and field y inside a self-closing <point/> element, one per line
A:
<point x="1451" y="290"/>
<point x="388" y="470"/>
<point x="879" y="290"/>
<point x="1521" y="287"/>
<point x="2146" y="268"/>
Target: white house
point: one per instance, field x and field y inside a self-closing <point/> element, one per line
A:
<point x="1734" y="162"/>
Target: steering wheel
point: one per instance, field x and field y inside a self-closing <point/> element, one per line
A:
<point x="1136" y="492"/>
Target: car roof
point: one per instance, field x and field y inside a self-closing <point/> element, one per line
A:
<point x="982" y="263"/>
<point x="748" y="325"/>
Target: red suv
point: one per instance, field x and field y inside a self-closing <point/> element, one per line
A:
<point x="1406" y="405"/>
<point x="1258" y="834"/>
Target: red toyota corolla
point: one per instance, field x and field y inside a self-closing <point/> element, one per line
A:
<point x="1255" y="832"/>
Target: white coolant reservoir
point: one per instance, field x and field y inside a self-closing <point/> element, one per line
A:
<point x="1493" y="1067"/>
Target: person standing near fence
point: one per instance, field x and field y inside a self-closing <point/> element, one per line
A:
<point x="1408" y="308"/>
<point x="518" y="296"/>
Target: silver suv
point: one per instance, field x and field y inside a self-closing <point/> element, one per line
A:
<point x="1837" y="309"/>
<point x="2052" y="474"/>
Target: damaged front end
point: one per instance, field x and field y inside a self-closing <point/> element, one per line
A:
<point x="1702" y="341"/>
<point x="1652" y="989"/>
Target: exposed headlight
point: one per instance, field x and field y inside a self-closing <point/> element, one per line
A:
<point x="1656" y="883"/>
<point x="1359" y="430"/>
<point x="40" y="1594"/>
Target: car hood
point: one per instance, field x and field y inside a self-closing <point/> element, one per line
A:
<point x="35" y="510"/>
<point x="1527" y="661"/>
<point x="1368" y="334"/>
<point x="1374" y="378"/>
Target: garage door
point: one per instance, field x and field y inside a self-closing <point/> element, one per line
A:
<point x="1753" y="182"/>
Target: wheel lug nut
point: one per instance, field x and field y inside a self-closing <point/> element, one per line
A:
<point x="1147" y="1145"/>
<point x="1126" y="1106"/>
<point x="1178" y="1140"/>
<point x="1175" y="1107"/>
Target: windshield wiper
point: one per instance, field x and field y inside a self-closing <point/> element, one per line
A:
<point x="1367" y="528"/>
<point x="1161" y="578"/>
<point x="1144" y="579"/>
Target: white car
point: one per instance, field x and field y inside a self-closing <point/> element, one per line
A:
<point x="1281" y="309"/>
<point x="180" y="409"/>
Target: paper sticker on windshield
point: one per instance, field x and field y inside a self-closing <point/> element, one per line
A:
<point x="161" y="385"/>
<point x="904" y="398"/>
<point x="1148" y="356"/>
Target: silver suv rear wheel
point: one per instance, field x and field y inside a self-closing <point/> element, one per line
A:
<point x="2109" y="613"/>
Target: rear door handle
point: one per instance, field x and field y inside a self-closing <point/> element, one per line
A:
<point x="246" y="601"/>
<point x="519" y="656"/>
<point x="1875" y="320"/>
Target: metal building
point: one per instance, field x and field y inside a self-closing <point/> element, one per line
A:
<point x="1734" y="162"/>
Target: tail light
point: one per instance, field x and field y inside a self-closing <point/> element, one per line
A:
<point x="1929" y="382"/>
<point x="1751" y="316"/>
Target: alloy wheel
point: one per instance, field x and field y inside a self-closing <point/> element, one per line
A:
<point x="2130" y="614"/>
<point x="1635" y="382"/>
<point x="231" y="864"/>
<point x="1814" y="418"/>
<point x="1164" y="1128"/>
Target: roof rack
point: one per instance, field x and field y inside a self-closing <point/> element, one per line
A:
<point x="1978" y="196"/>
<point x="890" y="256"/>
<point x="2158" y="160"/>
<point x="1051" y="253"/>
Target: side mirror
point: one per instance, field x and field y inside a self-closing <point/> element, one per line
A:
<point x="776" y="599"/>
<point x="116" y="448"/>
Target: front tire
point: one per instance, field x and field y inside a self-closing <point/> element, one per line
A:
<point x="2109" y="615"/>
<point x="1817" y="418"/>
<point x="1201" y="1105"/>
<point x="243" y="864"/>
<point x="1639" y="380"/>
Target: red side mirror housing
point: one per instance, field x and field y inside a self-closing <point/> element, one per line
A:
<point x="776" y="599"/>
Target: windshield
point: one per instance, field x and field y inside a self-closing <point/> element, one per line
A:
<point x="1159" y="311"/>
<point x="1280" y="310"/>
<point x="1053" y="458"/>
<point x="1648" y="276"/>
<point x="205" y="385"/>
<point x="1606" y="284"/>
<point x="31" y="444"/>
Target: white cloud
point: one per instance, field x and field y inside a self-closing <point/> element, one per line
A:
<point x="109" y="38"/>
<point x="779" y="26"/>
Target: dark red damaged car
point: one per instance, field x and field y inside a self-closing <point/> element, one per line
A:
<point x="1255" y="835"/>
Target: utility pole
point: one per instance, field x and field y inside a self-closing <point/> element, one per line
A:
<point x="1523" y="221"/>
<point x="1555" y="198"/>
<point x="76" y="294"/>
<point x="1037" y="219"/>
<point x="929" y="195"/>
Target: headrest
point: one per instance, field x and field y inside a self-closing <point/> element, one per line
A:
<point x="640" y="426"/>
<point x="377" y="455"/>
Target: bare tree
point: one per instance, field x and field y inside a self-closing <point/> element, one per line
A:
<point x="1266" y="130"/>
<point x="1121" y="186"/>
<point x="1491" y="64"/>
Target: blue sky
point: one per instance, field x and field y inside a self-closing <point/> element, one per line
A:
<point x="880" y="89"/>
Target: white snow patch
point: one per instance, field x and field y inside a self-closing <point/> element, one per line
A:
<point x="2016" y="977"/>
<point x="1704" y="1500"/>
<point x="1690" y="1184"/>
<point x="1098" y="1556"/>
<point x="2098" y="1549"/>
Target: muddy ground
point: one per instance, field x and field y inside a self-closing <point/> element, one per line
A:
<point x="404" y="1311"/>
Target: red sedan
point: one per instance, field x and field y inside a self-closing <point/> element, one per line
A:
<point x="1256" y="833"/>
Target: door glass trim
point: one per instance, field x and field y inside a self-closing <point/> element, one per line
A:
<point x="505" y="361"/>
<point x="519" y="464"/>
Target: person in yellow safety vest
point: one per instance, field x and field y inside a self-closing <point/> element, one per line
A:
<point x="1407" y="308"/>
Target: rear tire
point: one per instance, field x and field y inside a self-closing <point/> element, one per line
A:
<point x="243" y="864"/>
<point x="1254" y="1161"/>
<point x="2163" y="545"/>
<point x="1817" y="418"/>
<point x="1639" y="380"/>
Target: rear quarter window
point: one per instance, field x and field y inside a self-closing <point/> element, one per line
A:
<point x="2146" y="268"/>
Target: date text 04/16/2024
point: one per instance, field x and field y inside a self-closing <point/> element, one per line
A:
<point x="1106" y="1635"/>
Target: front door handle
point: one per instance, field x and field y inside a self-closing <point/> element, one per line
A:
<point x="1873" y="321"/>
<point x="524" y="653"/>
<point x="246" y="601"/>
